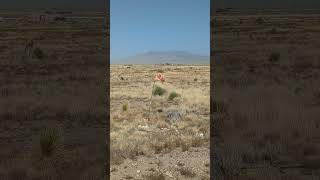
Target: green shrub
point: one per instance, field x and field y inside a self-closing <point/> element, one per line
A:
<point x="173" y="95"/>
<point x="125" y="107"/>
<point x="38" y="53"/>
<point x="48" y="141"/>
<point x="159" y="91"/>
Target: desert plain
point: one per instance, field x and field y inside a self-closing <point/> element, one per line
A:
<point x="266" y="103"/>
<point x="173" y="143"/>
<point x="53" y="100"/>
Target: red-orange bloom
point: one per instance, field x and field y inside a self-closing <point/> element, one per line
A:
<point x="160" y="77"/>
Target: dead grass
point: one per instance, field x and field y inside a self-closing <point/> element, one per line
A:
<point x="55" y="87"/>
<point x="133" y="136"/>
<point x="266" y="106"/>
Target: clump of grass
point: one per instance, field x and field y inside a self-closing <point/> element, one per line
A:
<point x="260" y="20"/>
<point x="273" y="31"/>
<point x="274" y="57"/>
<point x="155" y="176"/>
<point x="49" y="141"/>
<point x="195" y="79"/>
<point x="187" y="172"/>
<point x="17" y="173"/>
<point x="173" y="95"/>
<point x="38" y="53"/>
<point x="125" y="106"/>
<point x="219" y="107"/>
<point x="159" y="91"/>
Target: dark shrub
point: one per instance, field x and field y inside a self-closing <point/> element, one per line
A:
<point x="274" y="57"/>
<point x="38" y="53"/>
<point x="158" y="91"/>
<point x="173" y="95"/>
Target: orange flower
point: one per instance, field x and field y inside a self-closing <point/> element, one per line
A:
<point x="160" y="77"/>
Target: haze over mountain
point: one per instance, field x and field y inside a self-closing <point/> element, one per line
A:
<point x="161" y="57"/>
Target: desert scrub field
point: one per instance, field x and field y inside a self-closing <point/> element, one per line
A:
<point x="174" y="142"/>
<point x="53" y="102"/>
<point x="266" y="88"/>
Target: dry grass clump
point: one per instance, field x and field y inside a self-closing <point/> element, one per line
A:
<point x="125" y="106"/>
<point x="38" y="53"/>
<point x="164" y="142"/>
<point x="274" y="57"/>
<point x="128" y="144"/>
<point x="49" y="141"/>
<point x="186" y="172"/>
<point x="154" y="176"/>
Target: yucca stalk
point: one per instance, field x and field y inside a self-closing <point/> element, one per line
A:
<point x="151" y="100"/>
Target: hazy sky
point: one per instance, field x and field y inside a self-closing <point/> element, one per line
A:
<point x="83" y="4"/>
<point x="139" y="26"/>
<point x="290" y="4"/>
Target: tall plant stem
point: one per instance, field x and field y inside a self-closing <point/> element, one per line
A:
<point x="151" y="100"/>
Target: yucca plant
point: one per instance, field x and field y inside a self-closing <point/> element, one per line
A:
<point x="158" y="90"/>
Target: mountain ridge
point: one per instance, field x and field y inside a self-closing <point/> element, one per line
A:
<point x="162" y="57"/>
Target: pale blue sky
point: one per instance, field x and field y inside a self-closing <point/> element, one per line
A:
<point x="139" y="26"/>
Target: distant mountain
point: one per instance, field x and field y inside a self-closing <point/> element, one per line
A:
<point x="161" y="57"/>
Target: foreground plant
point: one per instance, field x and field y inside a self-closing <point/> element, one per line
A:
<point x="173" y="95"/>
<point x="159" y="77"/>
<point x="48" y="141"/>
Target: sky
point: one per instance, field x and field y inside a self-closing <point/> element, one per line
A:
<point x="139" y="26"/>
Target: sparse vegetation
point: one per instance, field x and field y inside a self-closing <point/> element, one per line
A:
<point x="159" y="91"/>
<point x="174" y="129"/>
<point x="264" y="97"/>
<point x="274" y="57"/>
<point x="55" y="82"/>
<point x="273" y="31"/>
<point x="219" y="107"/>
<point x="125" y="106"/>
<point x="173" y="95"/>
<point x="38" y="53"/>
<point x="49" y="141"/>
<point x="187" y="172"/>
<point x="155" y="176"/>
<point x="260" y="20"/>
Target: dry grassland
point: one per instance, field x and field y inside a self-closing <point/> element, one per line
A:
<point x="266" y="71"/>
<point x="52" y="103"/>
<point x="174" y="143"/>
